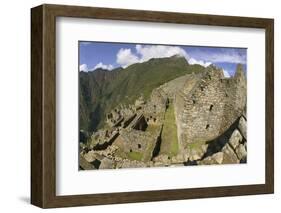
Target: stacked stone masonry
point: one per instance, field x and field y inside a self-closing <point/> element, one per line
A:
<point x="210" y="119"/>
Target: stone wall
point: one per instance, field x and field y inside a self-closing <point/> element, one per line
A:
<point x="135" y="141"/>
<point x="206" y="107"/>
<point x="154" y="110"/>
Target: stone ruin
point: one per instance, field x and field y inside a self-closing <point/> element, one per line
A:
<point x="207" y="107"/>
<point x="210" y="114"/>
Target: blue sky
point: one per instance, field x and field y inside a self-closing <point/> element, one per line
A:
<point x="94" y="55"/>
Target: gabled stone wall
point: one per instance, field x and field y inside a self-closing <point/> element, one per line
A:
<point x="208" y="105"/>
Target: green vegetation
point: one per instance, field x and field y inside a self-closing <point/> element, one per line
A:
<point x="135" y="156"/>
<point x="102" y="90"/>
<point x="129" y="155"/>
<point x="153" y="130"/>
<point x="195" y="145"/>
<point x="169" y="144"/>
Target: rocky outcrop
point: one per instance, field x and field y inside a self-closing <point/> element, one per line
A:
<point x="84" y="164"/>
<point x="243" y="127"/>
<point x="241" y="152"/>
<point x="235" y="139"/>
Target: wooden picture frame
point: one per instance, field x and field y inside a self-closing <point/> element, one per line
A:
<point x="43" y="105"/>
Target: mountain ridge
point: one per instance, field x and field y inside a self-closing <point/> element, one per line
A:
<point x="102" y="90"/>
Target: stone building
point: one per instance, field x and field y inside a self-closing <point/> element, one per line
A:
<point x="209" y="104"/>
<point x="155" y="109"/>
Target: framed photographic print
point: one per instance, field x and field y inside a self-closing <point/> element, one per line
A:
<point x="136" y="106"/>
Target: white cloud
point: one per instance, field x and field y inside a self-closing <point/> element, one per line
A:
<point x="103" y="66"/>
<point x="224" y="56"/>
<point x="200" y="62"/>
<point x="226" y="74"/>
<point x="83" y="67"/>
<point x="230" y="58"/>
<point x="159" y="51"/>
<point x="125" y="57"/>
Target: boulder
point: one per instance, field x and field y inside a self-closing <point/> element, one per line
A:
<point x="241" y="152"/>
<point x="229" y="156"/>
<point x="243" y="127"/>
<point x="235" y="139"/>
<point x="106" y="163"/>
<point x="84" y="164"/>
<point x="216" y="158"/>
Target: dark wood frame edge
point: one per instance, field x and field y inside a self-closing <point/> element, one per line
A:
<point x="43" y="105"/>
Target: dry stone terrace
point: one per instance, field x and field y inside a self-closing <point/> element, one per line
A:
<point x="196" y="119"/>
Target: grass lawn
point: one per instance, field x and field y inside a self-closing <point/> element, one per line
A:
<point x="135" y="156"/>
<point x="169" y="145"/>
<point x="195" y="145"/>
<point x="154" y="130"/>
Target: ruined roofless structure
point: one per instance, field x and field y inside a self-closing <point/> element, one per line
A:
<point x="208" y="104"/>
<point x="191" y="109"/>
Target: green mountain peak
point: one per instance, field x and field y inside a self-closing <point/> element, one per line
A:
<point x="101" y="90"/>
